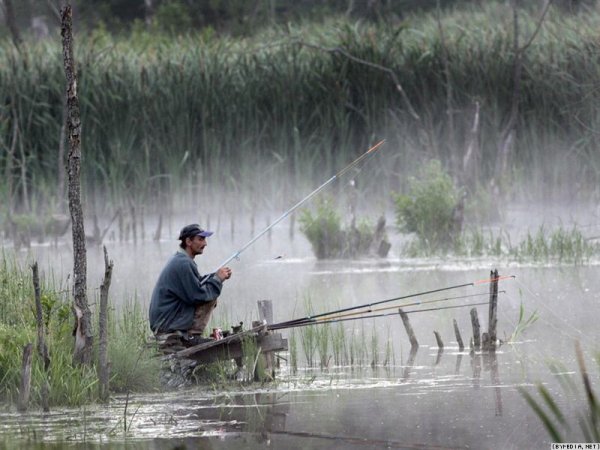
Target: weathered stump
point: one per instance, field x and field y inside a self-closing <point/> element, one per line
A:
<point x="409" y="330"/>
<point x="438" y="339"/>
<point x="476" y="329"/>
<point x="461" y="346"/>
<point x="493" y="311"/>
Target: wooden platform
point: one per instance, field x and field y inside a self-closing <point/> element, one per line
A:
<point x="230" y="347"/>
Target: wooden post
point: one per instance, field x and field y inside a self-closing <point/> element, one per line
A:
<point x="41" y="336"/>
<point x="25" y="388"/>
<point x="476" y="329"/>
<point x="461" y="346"/>
<point x="265" y="310"/>
<point x="438" y="339"/>
<point x="411" y="334"/>
<point x="493" y="318"/>
<point x="83" y="331"/>
<point x="103" y="364"/>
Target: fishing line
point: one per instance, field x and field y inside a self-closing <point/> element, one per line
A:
<point x="368" y="305"/>
<point x="553" y="314"/>
<point x="236" y="254"/>
<point x="373" y="316"/>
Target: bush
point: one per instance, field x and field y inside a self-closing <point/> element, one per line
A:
<point x="428" y="208"/>
<point x="324" y="231"/>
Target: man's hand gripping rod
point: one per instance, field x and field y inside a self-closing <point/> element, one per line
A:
<point x="301" y="202"/>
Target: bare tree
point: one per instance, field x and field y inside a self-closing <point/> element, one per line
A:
<point x="83" y="329"/>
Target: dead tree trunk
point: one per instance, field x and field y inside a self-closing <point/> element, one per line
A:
<point x="83" y="329"/>
<point x="103" y="364"/>
<point x="476" y="329"/>
<point x="493" y="311"/>
<point x="414" y="344"/>
<point x="461" y="346"/>
<point x="41" y="335"/>
<point x="60" y="187"/>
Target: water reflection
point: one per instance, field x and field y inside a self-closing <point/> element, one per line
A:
<point x="410" y="362"/>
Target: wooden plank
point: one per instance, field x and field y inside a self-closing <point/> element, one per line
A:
<point x="231" y="346"/>
<point x="268" y="343"/>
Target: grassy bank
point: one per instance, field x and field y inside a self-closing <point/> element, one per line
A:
<point x="257" y="117"/>
<point x="133" y="366"/>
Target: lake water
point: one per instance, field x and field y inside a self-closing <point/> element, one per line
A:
<point x="450" y="399"/>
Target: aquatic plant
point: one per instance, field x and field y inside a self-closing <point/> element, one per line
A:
<point x="251" y="352"/>
<point x="427" y="209"/>
<point x="293" y="352"/>
<point x="327" y="236"/>
<point x="374" y="348"/>
<point x="324" y="336"/>
<point x="523" y="323"/>
<point x="549" y="411"/>
<point x="560" y="245"/>
<point x="338" y="344"/>
<point x="308" y="339"/>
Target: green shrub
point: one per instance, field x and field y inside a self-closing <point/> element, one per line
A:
<point x="329" y="239"/>
<point x="428" y="208"/>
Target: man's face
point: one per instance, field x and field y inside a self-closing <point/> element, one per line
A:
<point x="196" y="244"/>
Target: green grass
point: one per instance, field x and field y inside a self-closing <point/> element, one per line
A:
<point x="70" y="385"/>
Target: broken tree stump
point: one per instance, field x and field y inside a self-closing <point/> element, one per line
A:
<point x="411" y="334"/>
<point x="438" y="339"/>
<point x="461" y="346"/>
<point x="493" y="311"/>
<point x="476" y="329"/>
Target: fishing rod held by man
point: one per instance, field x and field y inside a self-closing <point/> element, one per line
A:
<point x="354" y="163"/>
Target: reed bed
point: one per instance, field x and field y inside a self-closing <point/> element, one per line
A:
<point x="177" y="117"/>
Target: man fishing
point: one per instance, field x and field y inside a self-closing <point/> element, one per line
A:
<point x="183" y="300"/>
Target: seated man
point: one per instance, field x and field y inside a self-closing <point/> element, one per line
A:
<point x="183" y="300"/>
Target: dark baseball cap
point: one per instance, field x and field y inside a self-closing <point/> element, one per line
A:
<point x="193" y="230"/>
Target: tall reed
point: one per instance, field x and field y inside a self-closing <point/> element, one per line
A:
<point x="206" y="115"/>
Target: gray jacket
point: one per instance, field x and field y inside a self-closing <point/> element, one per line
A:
<point x="178" y="291"/>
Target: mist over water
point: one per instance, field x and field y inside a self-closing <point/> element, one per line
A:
<point x="446" y="399"/>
